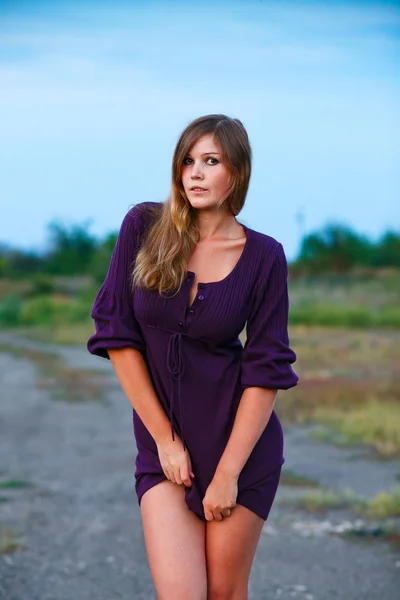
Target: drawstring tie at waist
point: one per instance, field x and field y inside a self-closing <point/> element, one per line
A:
<point x="175" y="367"/>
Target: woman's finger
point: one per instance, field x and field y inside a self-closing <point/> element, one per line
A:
<point x="169" y="474"/>
<point x="191" y="474"/>
<point x="185" y="476"/>
<point x="217" y="515"/>
<point x="208" y="514"/>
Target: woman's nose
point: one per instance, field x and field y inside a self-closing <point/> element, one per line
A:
<point x="196" y="172"/>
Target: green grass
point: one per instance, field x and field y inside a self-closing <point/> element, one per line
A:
<point x="352" y="317"/>
<point x="373" y="291"/>
<point x="14" y="484"/>
<point x="10" y="541"/>
<point x="384" y="504"/>
<point x="374" y="423"/>
<point x="349" y="385"/>
<point x="9" y="485"/>
<point x="319" y="501"/>
<point x="351" y="300"/>
<point x="292" y="479"/>
<point x="386" y="532"/>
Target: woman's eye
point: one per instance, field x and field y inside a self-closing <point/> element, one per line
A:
<point x="187" y="160"/>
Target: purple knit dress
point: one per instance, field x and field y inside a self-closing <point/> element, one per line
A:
<point x="196" y="361"/>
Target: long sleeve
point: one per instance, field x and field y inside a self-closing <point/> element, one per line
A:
<point x="267" y="357"/>
<point x="113" y="313"/>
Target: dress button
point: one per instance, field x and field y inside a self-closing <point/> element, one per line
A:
<point x="180" y="323"/>
<point x="200" y="297"/>
<point x="192" y="312"/>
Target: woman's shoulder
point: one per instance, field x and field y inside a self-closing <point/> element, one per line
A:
<point x="263" y="244"/>
<point x="142" y="215"/>
<point x="266" y="254"/>
<point x="138" y="221"/>
<point x="142" y="210"/>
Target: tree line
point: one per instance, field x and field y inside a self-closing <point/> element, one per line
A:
<point x="73" y="250"/>
<point x="339" y="249"/>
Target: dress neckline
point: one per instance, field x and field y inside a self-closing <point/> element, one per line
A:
<point x="247" y="231"/>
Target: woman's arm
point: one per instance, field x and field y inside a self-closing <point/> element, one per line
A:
<point x="253" y="414"/>
<point x="255" y="409"/>
<point x="118" y="334"/>
<point x="266" y="363"/>
<point x="132" y="373"/>
<point x="119" y="338"/>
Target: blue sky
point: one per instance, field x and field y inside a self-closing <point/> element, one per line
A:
<point x="93" y="96"/>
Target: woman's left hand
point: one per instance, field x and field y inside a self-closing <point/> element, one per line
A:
<point x="220" y="497"/>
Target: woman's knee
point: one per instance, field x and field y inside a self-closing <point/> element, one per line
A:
<point x="223" y="588"/>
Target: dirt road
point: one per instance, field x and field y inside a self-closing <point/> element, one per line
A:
<point x="69" y="519"/>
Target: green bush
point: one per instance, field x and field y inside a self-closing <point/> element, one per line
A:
<point x="42" y="284"/>
<point x="88" y="294"/>
<point x="389" y="317"/>
<point x="356" y="317"/>
<point x="77" y="312"/>
<point x="10" y="310"/>
<point x="52" y="310"/>
<point x="40" y="310"/>
<point x="44" y="310"/>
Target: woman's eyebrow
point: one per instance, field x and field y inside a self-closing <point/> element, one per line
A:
<point x="204" y="153"/>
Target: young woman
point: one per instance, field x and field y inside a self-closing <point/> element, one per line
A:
<point x="185" y="278"/>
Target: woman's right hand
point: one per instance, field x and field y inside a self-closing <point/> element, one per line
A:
<point x="175" y="461"/>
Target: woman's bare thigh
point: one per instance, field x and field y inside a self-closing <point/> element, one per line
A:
<point x="175" y="543"/>
<point x="230" y="549"/>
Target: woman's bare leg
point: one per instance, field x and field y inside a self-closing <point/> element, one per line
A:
<point x="175" y="543"/>
<point x="230" y="549"/>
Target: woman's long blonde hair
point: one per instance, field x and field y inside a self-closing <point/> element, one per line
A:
<point x="161" y="262"/>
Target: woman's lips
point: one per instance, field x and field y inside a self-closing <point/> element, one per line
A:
<point x="198" y="191"/>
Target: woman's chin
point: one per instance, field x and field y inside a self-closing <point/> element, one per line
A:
<point x="204" y="203"/>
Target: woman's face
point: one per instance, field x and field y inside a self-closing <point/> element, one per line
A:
<point x="202" y="168"/>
